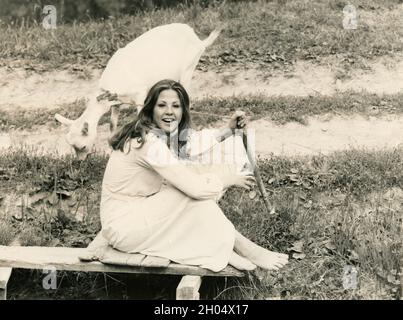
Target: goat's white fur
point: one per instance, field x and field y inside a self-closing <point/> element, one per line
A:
<point x="165" y="52"/>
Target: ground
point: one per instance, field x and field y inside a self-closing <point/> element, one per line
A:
<point x="322" y="133"/>
<point x="328" y="139"/>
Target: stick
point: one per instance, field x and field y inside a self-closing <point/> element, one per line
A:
<point x="270" y="208"/>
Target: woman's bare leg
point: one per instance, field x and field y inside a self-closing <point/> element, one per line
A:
<point x="259" y="256"/>
<point x="240" y="263"/>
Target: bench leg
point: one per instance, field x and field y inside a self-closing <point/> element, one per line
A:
<point x="401" y="279"/>
<point x="3" y="294"/>
<point x="188" y="288"/>
<point x="5" y="274"/>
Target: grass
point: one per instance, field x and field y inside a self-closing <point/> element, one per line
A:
<point x="343" y="209"/>
<point x="284" y="109"/>
<point x="279" y="109"/>
<point x="273" y="34"/>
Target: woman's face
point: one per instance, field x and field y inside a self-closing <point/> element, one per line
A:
<point x="167" y="113"/>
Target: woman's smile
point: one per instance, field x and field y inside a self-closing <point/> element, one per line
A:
<point x="168" y="111"/>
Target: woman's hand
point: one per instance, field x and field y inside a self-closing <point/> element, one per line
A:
<point x="244" y="181"/>
<point x="233" y="179"/>
<point x="238" y="120"/>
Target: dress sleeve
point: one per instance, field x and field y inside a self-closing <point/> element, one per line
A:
<point x="156" y="156"/>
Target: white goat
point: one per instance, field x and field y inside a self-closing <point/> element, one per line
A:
<point x="165" y="52"/>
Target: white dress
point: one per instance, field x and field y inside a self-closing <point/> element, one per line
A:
<point x="155" y="205"/>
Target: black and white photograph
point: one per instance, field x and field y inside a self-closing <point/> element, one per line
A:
<point x="233" y="150"/>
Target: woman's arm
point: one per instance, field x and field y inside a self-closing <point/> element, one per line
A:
<point x="156" y="156"/>
<point x="237" y="121"/>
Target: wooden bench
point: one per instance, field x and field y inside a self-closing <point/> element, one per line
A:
<point x="62" y="258"/>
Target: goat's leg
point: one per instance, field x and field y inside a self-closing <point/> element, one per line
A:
<point x="114" y="119"/>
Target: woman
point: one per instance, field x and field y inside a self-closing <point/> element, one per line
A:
<point x="153" y="203"/>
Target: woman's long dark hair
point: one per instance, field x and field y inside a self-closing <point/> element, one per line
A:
<point x="143" y="123"/>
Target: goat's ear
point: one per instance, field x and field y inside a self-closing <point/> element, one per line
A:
<point x="63" y="120"/>
<point x="84" y="130"/>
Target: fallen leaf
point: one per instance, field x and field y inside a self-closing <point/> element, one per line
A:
<point x="353" y="255"/>
<point x="252" y="194"/>
<point x="390" y="278"/>
<point x="72" y="202"/>
<point x="35" y="190"/>
<point x="293" y="177"/>
<point x="64" y="193"/>
<point x="330" y="246"/>
<point x="298" y="256"/>
<point x="38" y="197"/>
<point x="393" y="280"/>
<point x="18" y="216"/>
<point x="297" y="246"/>
<point x="259" y="273"/>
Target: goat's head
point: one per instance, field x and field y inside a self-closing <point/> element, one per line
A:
<point x="81" y="135"/>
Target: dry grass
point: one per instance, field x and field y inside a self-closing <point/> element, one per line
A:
<point x="279" y="109"/>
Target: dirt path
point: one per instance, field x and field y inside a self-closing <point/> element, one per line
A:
<point x="24" y="89"/>
<point x="319" y="136"/>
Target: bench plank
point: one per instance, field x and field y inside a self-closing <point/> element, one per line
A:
<point x="67" y="259"/>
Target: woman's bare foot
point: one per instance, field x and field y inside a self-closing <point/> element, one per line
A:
<point x="267" y="259"/>
<point x="95" y="249"/>
<point x="241" y="263"/>
<point x="258" y="255"/>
